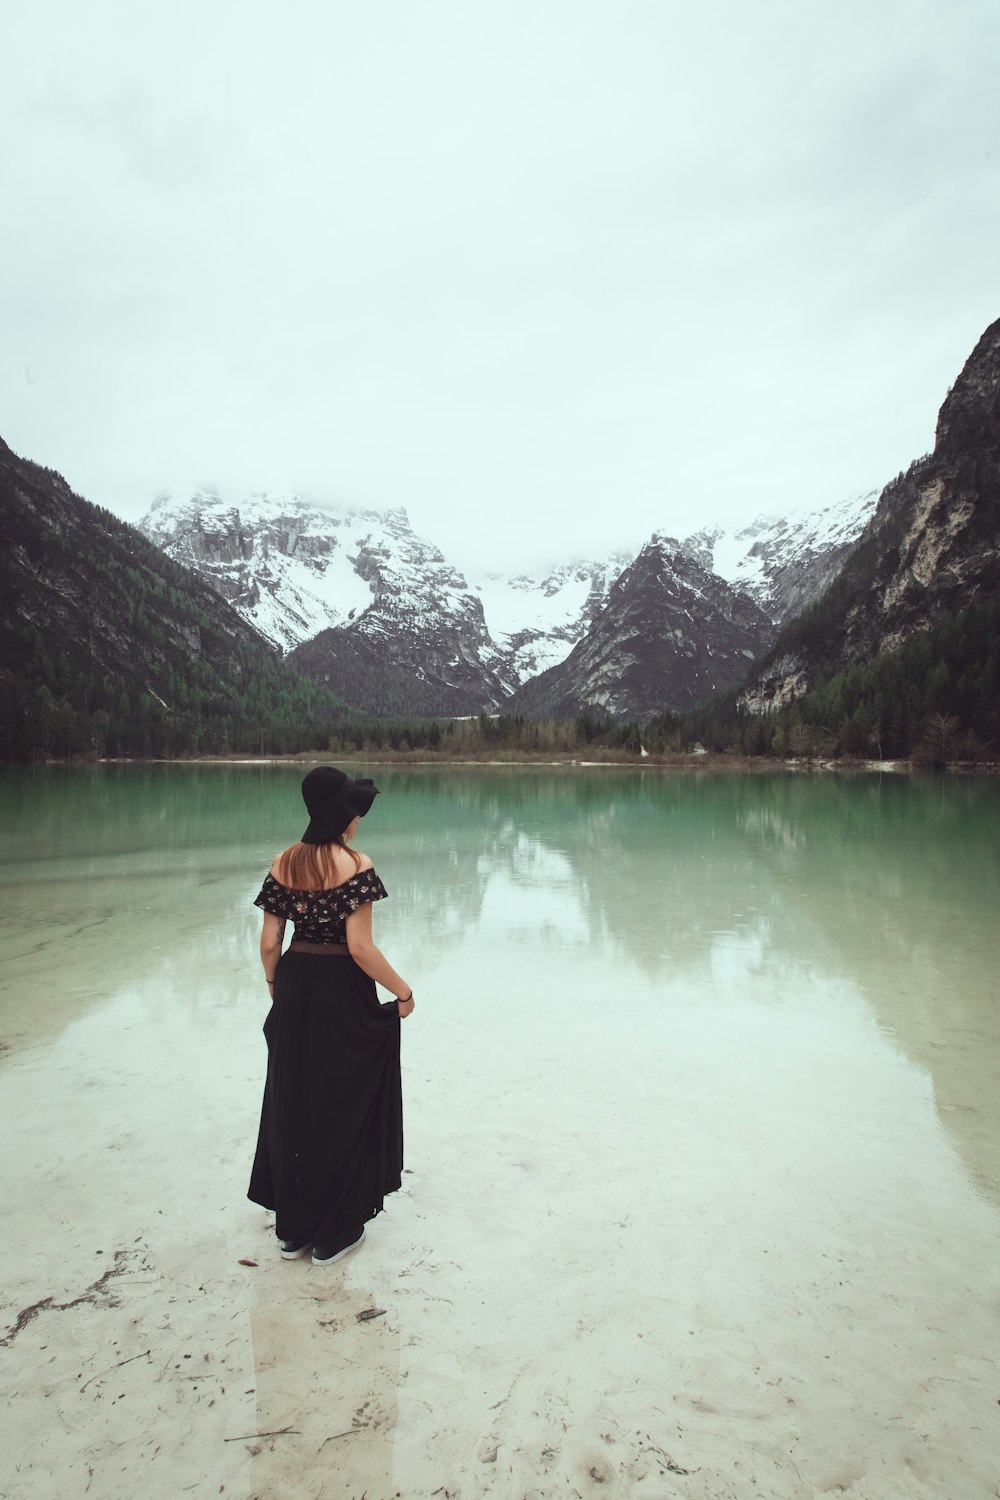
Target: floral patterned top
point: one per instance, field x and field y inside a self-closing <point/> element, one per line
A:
<point x="319" y="916"/>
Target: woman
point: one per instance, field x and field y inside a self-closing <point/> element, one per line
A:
<point x="331" y="1129"/>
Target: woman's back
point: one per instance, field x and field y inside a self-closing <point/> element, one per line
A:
<point x="320" y="912"/>
<point x="311" y="867"/>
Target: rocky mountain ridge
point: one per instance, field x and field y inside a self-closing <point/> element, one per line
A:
<point x="785" y="562"/>
<point x="112" y="646"/>
<point x="931" y="548"/>
<point x="359" y="600"/>
<point x="671" y="634"/>
<point x="536" y="621"/>
<point x="374" y="612"/>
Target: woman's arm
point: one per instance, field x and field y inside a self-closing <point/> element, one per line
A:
<point x="369" y="958"/>
<point x="271" y="937"/>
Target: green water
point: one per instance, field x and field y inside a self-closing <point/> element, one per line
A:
<point x="702" y="1132"/>
<point x="583" y="890"/>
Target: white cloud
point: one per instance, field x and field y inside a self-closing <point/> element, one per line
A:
<point x="551" y="276"/>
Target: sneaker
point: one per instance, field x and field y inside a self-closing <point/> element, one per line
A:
<point x="325" y="1255"/>
<point x="292" y="1250"/>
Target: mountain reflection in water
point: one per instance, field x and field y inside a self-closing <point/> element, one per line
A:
<point x="889" y="884"/>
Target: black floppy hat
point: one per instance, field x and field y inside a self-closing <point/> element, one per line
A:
<point x="334" y="800"/>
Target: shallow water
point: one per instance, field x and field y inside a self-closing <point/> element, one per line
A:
<point x="748" y="1024"/>
<point x="839" y="901"/>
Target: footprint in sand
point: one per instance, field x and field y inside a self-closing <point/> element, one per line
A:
<point x="599" y="1476"/>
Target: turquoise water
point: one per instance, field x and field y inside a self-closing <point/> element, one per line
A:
<point x="621" y="878"/>
<point x="607" y="882"/>
<point x="702" y="1134"/>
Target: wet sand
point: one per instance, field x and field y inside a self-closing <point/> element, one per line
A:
<point x="712" y="1241"/>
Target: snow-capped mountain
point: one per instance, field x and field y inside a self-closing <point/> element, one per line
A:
<point x="671" y="634"/>
<point x="536" y="622"/>
<point x="290" y="568"/>
<point x="784" y="562"/>
<point x="357" y="587"/>
<point x="297" y="571"/>
<point x="360" y="602"/>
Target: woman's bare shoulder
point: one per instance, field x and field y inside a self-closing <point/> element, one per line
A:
<point x="278" y="862"/>
<point x="367" y="863"/>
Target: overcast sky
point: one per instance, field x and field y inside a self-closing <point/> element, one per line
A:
<point x="551" y="274"/>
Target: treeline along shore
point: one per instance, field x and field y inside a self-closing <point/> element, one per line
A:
<point x="932" y="701"/>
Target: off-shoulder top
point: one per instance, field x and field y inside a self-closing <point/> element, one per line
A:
<point x="319" y="916"/>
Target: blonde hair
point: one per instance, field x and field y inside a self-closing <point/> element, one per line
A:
<point x="312" y="867"/>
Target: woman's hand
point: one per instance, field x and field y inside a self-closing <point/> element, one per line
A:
<point x="405" y="1006"/>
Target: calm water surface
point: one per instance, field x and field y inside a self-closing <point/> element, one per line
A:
<point x="862" y="910"/>
<point x="745" y="1027"/>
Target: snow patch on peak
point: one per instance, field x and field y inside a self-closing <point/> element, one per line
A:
<point x="535" y="621"/>
<point x="784" y="562"/>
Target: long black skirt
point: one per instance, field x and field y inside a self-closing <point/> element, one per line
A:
<point x="331" y="1128"/>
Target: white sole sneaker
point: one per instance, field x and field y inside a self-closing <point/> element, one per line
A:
<point x="295" y="1252"/>
<point x="328" y="1260"/>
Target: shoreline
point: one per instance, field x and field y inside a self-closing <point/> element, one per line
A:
<point x="706" y="761"/>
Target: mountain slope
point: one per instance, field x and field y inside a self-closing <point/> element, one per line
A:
<point x="288" y="568"/>
<point x="536" y="622"/>
<point x="932" y="547"/>
<point x="108" y="645"/>
<point x="361" y="602"/>
<point x="366" y="673"/>
<point x="671" y="634"/>
<point x="784" y="563"/>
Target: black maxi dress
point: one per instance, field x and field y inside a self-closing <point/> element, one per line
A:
<point x="330" y="1145"/>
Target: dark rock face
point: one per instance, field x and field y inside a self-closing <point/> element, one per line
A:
<point x="931" y="548"/>
<point x="377" y="678"/>
<point x="670" y="635"/>
<point x="969" y="419"/>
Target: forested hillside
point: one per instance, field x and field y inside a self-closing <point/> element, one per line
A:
<point x="109" y="648"/>
<point x="936" y="697"/>
<point x="370" y="676"/>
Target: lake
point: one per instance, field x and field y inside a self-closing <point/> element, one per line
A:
<point x="703" y="1131"/>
